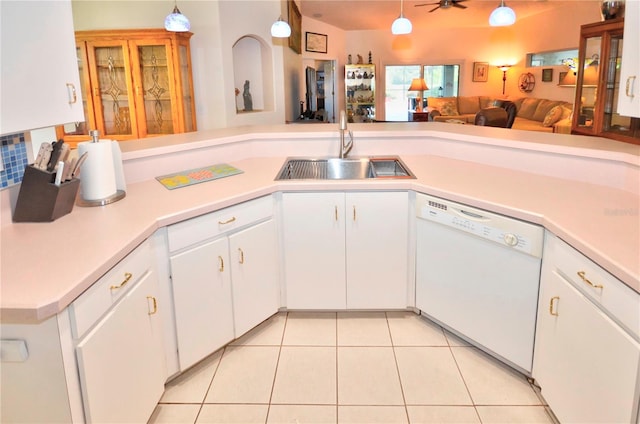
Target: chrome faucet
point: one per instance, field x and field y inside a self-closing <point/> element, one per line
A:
<point x="344" y="148"/>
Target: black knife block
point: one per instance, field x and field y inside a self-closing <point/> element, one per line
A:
<point x="40" y="200"/>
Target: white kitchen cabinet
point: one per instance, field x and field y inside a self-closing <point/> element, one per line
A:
<point x="121" y="361"/>
<point x="201" y="284"/>
<point x="254" y="272"/>
<point x="40" y="78"/>
<point x="224" y="273"/>
<point x="629" y="94"/>
<point x="585" y="363"/>
<point x="345" y="250"/>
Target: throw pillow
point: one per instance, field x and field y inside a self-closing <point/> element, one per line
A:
<point x="553" y="116"/>
<point x="447" y="106"/>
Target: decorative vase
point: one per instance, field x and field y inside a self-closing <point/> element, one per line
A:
<point x="612" y="9"/>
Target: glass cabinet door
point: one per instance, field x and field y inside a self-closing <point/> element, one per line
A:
<point x="188" y="102"/>
<point x="153" y="60"/>
<point x="113" y="99"/>
<point x="587" y="85"/>
<point x="612" y="121"/>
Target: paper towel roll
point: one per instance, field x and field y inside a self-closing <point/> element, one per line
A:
<point x="97" y="176"/>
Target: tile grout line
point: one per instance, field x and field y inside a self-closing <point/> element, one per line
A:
<point x="275" y="374"/>
<point x="204" y="398"/>
<point x="464" y="381"/>
<point x="395" y="359"/>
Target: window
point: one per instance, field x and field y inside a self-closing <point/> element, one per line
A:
<point x="442" y="81"/>
<point x="558" y="57"/>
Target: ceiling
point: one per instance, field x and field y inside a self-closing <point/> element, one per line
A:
<point x="352" y="15"/>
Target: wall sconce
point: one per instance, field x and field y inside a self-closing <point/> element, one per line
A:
<point x="401" y="25"/>
<point x="504" y="69"/>
<point x="419" y="85"/>
<point x="176" y="21"/>
<point x="502" y="16"/>
<point x="280" y="29"/>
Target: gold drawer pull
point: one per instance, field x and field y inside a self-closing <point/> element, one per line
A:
<point x="228" y="221"/>
<point x="127" y="277"/>
<point x="555" y="314"/>
<point x="354" y="213"/>
<point x="221" y="262"/>
<point x="584" y="278"/>
<point x="336" y="212"/>
<point x="629" y="90"/>
<point x="155" y="305"/>
<point x="240" y="256"/>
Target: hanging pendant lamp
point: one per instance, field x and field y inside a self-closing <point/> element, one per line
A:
<point x="176" y="21"/>
<point x="502" y="16"/>
<point x="280" y="29"/>
<point x="401" y="25"/>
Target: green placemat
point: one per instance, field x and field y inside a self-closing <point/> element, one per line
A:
<point x="198" y="175"/>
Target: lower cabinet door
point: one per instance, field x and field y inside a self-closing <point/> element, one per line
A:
<point x="121" y="361"/>
<point x="254" y="273"/>
<point x="585" y="363"/>
<point x="201" y="282"/>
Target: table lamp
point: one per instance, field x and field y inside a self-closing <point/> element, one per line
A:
<point x="419" y="85"/>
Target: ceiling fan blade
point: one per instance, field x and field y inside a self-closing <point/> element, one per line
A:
<point x="435" y="8"/>
<point x="461" y="6"/>
<point x="425" y="4"/>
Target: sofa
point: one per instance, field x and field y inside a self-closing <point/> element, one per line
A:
<point x="532" y="114"/>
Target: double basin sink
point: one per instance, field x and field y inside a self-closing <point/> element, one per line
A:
<point x="344" y="168"/>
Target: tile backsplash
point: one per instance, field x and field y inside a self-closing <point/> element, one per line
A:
<point x="14" y="158"/>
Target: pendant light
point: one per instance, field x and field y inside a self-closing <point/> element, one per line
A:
<point x="280" y="29"/>
<point x="401" y="25"/>
<point x="176" y="21"/>
<point x="502" y="16"/>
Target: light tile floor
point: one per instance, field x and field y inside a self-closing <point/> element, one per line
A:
<point x="351" y="367"/>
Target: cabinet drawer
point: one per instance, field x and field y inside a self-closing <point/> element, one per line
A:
<point x="616" y="298"/>
<point x="195" y="230"/>
<point x="97" y="300"/>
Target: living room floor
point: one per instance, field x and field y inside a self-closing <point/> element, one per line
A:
<point x="351" y="367"/>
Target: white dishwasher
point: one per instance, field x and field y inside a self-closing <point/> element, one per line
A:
<point x="478" y="274"/>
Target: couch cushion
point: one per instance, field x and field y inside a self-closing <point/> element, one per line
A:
<point x="486" y="102"/>
<point x="553" y="116"/>
<point x="468" y="105"/>
<point x="447" y="106"/>
<point x="529" y="125"/>
<point x="528" y="108"/>
<point x="544" y="106"/>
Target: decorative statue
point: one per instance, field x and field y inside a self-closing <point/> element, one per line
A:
<point x="246" y="96"/>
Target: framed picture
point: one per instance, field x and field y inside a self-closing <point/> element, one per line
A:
<point x="480" y="71"/>
<point x="316" y="42"/>
<point x="547" y="75"/>
<point x="295" y="22"/>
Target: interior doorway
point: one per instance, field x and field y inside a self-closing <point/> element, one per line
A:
<point x="319" y="102"/>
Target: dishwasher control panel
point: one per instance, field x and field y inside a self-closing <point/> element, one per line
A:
<point x="522" y="236"/>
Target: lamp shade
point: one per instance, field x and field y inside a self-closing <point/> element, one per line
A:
<point x="176" y="21"/>
<point x="401" y="26"/>
<point x="502" y="16"/>
<point x="418" y="84"/>
<point x="280" y="29"/>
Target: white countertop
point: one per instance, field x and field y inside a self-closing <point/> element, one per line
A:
<point x="45" y="266"/>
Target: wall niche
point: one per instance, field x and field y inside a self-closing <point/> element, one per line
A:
<point x="253" y="75"/>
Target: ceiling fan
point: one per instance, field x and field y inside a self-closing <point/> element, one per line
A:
<point x="444" y="4"/>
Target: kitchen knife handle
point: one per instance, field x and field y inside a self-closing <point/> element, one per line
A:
<point x="127" y="277"/>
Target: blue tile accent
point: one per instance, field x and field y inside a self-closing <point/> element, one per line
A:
<point x="14" y="159"/>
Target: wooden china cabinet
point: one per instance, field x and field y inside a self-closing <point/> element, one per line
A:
<point x="598" y="84"/>
<point x="135" y="84"/>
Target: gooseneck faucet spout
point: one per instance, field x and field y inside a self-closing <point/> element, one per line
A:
<point x="344" y="148"/>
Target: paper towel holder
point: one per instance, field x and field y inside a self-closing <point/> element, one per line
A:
<point x="120" y="191"/>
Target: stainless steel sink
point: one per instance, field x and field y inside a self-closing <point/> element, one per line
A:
<point x="343" y="169"/>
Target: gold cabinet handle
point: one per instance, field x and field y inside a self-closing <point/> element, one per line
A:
<point x="336" y="212"/>
<point x="127" y="277"/>
<point x="73" y="98"/>
<point x="551" y="302"/>
<point x="240" y="256"/>
<point x="154" y="303"/>
<point x="629" y="90"/>
<point x="221" y="264"/>
<point x="228" y="221"/>
<point x="584" y="278"/>
<point x="354" y="212"/>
